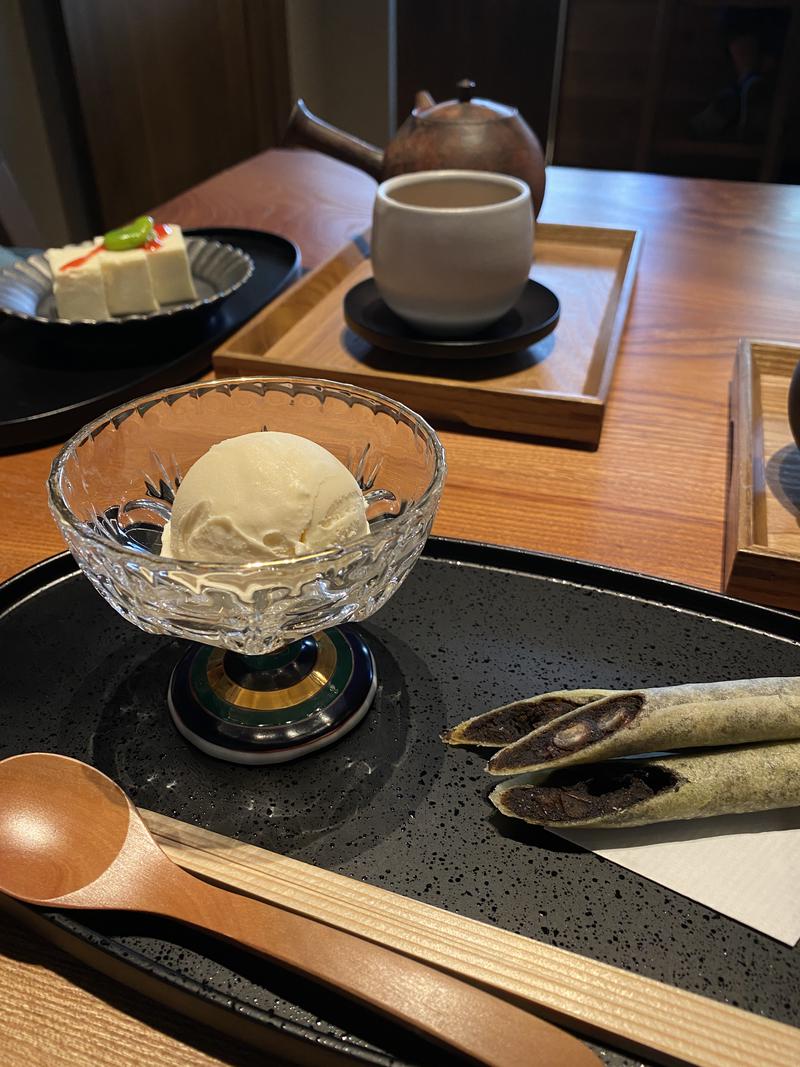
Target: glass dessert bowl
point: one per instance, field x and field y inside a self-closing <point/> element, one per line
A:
<point x="275" y="670"/>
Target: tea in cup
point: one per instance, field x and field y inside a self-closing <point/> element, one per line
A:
<point x="452" y="249"/>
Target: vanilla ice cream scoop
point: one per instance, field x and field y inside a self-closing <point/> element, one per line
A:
<point x="261" y="497"/>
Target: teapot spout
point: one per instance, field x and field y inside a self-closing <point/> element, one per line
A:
<point x="306" y="129"/>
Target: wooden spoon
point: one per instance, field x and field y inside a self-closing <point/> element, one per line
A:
<point x="70" y="838"/>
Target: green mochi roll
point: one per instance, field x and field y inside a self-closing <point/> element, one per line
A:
<point x="501" y="726"/>
<point x="711" y="714"/>
<point x="745" y="778"/>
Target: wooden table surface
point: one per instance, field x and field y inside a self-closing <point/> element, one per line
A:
<point x="720" y="260"/>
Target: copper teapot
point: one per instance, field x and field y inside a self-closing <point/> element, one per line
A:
<point x="472" y="134"/>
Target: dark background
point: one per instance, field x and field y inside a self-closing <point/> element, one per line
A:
<point x="145" y="98"/>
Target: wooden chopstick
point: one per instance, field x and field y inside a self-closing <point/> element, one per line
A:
<point x="629" y="1011"/>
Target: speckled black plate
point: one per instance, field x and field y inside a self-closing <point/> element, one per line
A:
<point x="55" y="380"/>
<point x="472" y="627"/>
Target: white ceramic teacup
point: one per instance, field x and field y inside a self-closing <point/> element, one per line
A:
<point x="452" y="249"/>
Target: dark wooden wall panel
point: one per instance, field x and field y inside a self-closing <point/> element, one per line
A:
<point x="507" y="47"/>
<point x="173" y="91"/>
<point x="604" y="81"/>
<point x="636" y="73"/>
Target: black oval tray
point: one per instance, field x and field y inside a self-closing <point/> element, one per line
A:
<point x="56" y="378"/>
<point x="472" y="627"/>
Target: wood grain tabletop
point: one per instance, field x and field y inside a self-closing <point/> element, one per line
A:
<point x="719" y="260"/>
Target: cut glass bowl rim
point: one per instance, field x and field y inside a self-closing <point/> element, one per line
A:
<point x="64" y="514"/>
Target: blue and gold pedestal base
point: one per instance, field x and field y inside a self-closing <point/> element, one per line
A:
<point x="275" y="707"/>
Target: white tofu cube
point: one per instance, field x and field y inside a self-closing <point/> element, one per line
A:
<point x="129" y="290"/>
<point x="79" y="290"/>
<point x="168" y="264"/>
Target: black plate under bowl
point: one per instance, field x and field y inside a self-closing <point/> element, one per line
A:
<point x="533" y="317"/>
<point x="57" y="379"/>
<point x="391" y="805"/>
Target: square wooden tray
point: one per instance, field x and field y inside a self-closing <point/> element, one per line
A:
<point x="762" y="533"/>
<point x="557" y="388"/>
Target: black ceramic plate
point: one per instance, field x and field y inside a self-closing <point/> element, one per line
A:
<point x="533" y="317"/>
<point x="54" y="381"/>
<point x="391" y="805"/>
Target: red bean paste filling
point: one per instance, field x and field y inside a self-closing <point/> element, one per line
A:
<point x="578" y="793"/>
<point x="600" y="720"/>
<point x="504" y="725"/>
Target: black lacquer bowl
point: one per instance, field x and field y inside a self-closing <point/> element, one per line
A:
<point x="56" y="378"/>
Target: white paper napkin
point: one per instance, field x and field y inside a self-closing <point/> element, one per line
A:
<point x="744" y="866"/>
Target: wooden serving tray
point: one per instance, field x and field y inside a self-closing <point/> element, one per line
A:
<point x="762" y="536"/>
<point x="557" y="388"/>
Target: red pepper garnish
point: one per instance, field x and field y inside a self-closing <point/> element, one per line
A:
<point x="160" y="231"/>
<point x="79" y="262"/>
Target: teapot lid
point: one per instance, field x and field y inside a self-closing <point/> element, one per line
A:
<point x="464" y="108"/>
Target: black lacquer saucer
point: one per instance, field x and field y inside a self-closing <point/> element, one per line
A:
<point x="533" y="317"/>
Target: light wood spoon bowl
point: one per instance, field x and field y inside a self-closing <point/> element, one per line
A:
<point x="70" y="838"/>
